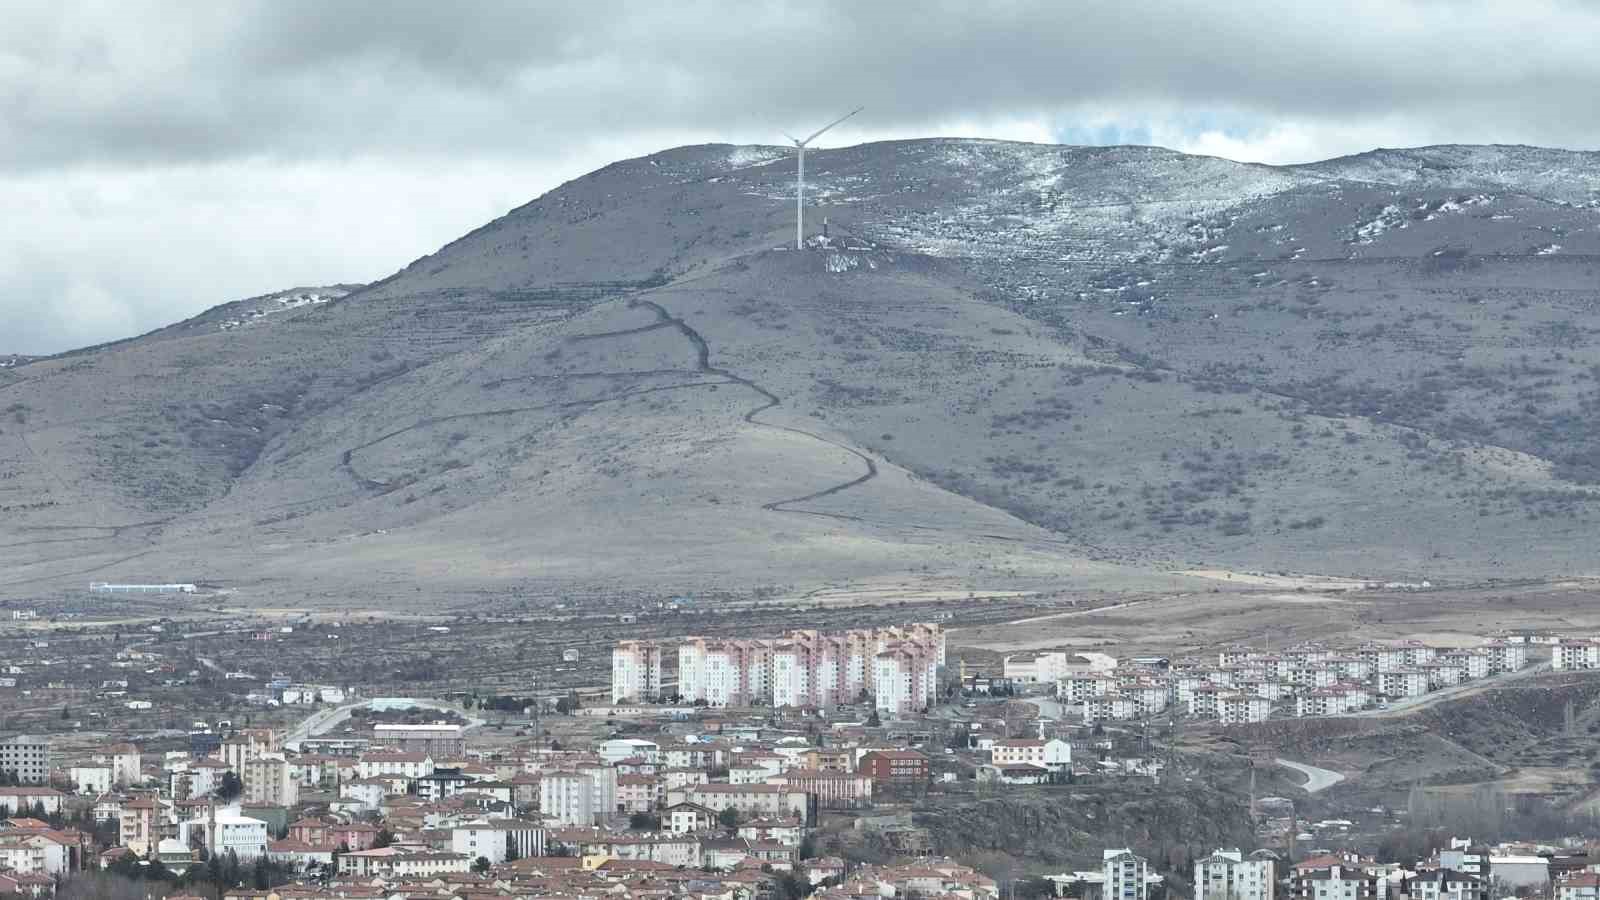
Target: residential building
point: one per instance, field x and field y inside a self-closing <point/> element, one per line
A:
<point x="1243" y="709"/>
<point x="438" y="740"/>
<point x="1230" y="875"/>
<point x="23" y="800"/>
<point x="1406" y="682"/>
<point x="1447" y="884"/>
<point x="125" y="764"/>
<point x="1336" y="880"/>
<point x="388" y="762"/>
<point x="567" y="798"/>
<point x="27" y="756"/>
<point x="833" y="790"/>
<point x="498" y="839"/>
<point x="635" y="671"/>
<point x="1126" y="875"/>
<point x="894" y="767"/>
<point x="268" y="781"/>
<point x="91" y="780"/>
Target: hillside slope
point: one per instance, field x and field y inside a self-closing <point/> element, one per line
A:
<point x="1011" y="366"/>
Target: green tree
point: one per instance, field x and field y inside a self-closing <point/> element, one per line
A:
<point x="230" y="788"/>
<point x="789" y="886"/>
<point x="729" y="819"/>
<point x="384" y="838"/>
<point x="260" y="875"/>
<point x="643" y="821"/>
<point x="481" y="865"/>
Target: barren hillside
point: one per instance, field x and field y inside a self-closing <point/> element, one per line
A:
<point x="1009" y="366"/>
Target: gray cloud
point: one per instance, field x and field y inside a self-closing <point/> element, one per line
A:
<point x="361" y="99"/>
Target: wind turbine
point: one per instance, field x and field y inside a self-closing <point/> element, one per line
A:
<point x="800" y="178"/>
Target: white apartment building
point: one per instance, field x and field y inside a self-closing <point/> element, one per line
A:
<point x="1507" y="656"/>
<point x="1115" y="706"/>
<point x="1417" y="653"/>
<point x="92" y="780"/>
<point x="1576" y="653"/>
<point x="905" y="681"/>
<point x="124" y="760"/>
<point x="408" y="765"/>
<point x="1204" y="702"/>
<point x="268" y="781"/>
<point x="1127" y="875"/>
<point x="806" y="668"/>
<point x="1443" y="673"/>
<point x="1242" y="709"/>
<point x="1053" y="754"/>
<point x="635" y="671"/>
<point x="567" y="797"/>
<point x="602" y="789"/>
<point x="1333" y="701"/>
<point x="225" y="831"/>
<point x="1403" y="682"/>
<point x="1075" y="689"/>
<point x="1230" y="875"/>
<point x="494" y="839"/>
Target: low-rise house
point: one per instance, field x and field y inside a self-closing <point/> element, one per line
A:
<point x="1447" y="884"/>
<point x="1582" y="886"/>
<point x="92" y="779"/>
<point x="27" y="800"/>
<point x="687" y="818"/>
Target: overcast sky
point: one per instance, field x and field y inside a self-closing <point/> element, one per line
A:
<point x="160" y="158"/>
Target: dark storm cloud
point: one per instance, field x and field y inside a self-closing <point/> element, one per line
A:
<point x="183" y="82"/>
<point x="157" y="158"/>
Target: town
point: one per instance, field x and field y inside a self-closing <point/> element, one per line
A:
<point x="825" y="762"/>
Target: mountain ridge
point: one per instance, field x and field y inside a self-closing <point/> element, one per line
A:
<point x="1012" y="367"/>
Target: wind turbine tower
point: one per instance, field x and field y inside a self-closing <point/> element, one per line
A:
<point x="800" y="177"/>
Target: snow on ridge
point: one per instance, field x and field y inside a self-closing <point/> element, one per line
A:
<point x="276" y="303"/>
<point x="748" y="155"/>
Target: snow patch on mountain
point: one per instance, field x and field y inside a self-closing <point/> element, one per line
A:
<point x="277" y="303"/>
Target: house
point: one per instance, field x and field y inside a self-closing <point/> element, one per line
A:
<point x="686" y="818"/>
<point x="1582" y="886"/>
<point x="1330" y="878"/>
<point x="1014" y="773"/>
<point x="92" y="779"/>
<point x="1448" y="884"/>
<point x="23" y="800"/>
<point x="1053" y="754"/>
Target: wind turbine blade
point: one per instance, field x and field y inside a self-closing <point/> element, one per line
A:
<point x="792" y="138"/>
<point x="819" y="131"/>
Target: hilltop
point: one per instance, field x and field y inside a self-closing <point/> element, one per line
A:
<point x="1007" y="367"/>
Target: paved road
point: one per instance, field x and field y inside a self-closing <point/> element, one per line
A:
<point x="1410" y="705"/>
<point x="326" y="719"/>
<point x="1316" y="779"/>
